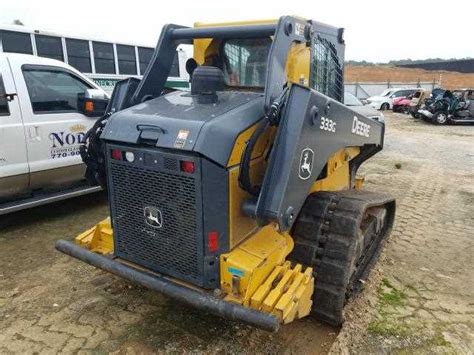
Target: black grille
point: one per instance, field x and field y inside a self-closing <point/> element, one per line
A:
<point x="171" y="249"/>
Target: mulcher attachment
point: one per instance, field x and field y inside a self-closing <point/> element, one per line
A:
<point x="340" y="234"/>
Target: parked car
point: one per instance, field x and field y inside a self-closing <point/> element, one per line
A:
<point x="358" y="106"/>
<point x="46" y="107"/>
<point x="384" y="101"/>
<point x="451" y="107"/>
<point x="410" y="103"/>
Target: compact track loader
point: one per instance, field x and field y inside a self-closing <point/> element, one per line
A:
<point x="240" y="197"/>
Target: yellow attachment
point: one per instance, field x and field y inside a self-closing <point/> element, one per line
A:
<point x="296" y="302"/>
<point x="286" y="293"/>
<point x="247" y="266"/>
<point x="255" y="274"/>
<point x="98" y="239"/>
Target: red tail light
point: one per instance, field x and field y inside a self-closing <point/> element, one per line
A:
<point x="187" y="166"/>
<point x="116" y="154"/>
<point x="213" y="241"/>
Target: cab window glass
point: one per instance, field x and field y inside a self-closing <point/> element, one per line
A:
<point x="126" y="59"/>
<point x="104" y="58"/>
<point x="16" y="42"/>
<point x="49" y="47"/>
<point x="78" y="54"/>
<point x="4" y="111"/>
<point x="243" y="61"/>
<point x="53" y="90"/>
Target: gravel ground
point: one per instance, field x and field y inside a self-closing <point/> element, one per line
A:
<point x="418" y="299"/>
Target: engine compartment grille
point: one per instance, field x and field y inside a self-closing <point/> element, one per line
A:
<point x="172" y="248"/>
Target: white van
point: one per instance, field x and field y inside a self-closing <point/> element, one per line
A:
<point x="46" y="108"/>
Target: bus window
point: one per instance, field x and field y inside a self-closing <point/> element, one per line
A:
<point x="104" y="58"/>
<point x="16" y="42"/>
<point x="49" y="47"/>
<point x="79" y="55"/>
<point x="126" y="59"/>
<point x="144" y="55"/>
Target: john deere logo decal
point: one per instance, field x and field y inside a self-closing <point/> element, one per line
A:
<point x="153" y="217"/>
<point x="306" y="163"/>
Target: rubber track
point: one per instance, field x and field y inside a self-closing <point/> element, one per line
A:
<point x="328" y="237"/>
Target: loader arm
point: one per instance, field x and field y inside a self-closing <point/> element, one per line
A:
<point x="312" y="128"/>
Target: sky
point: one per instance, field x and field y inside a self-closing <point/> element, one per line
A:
<point x="376" y="31"/>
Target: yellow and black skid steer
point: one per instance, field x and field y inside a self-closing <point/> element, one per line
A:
<point x="240" y="196"/>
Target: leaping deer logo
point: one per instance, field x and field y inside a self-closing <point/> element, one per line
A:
<point x="306" y="163"/>
<point x="153" y="217"/>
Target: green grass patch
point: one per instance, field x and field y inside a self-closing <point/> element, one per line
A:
<point x="387" y="327"/>
<point x="389" y="296"/>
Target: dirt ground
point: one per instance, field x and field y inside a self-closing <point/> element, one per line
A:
<point x="419" y="299"/>
<point x="384" y="73"/>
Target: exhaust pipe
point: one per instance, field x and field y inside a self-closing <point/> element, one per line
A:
<point x="199" y="300"/>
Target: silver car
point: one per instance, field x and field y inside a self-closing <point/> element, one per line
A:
<point x="366" y="110"/>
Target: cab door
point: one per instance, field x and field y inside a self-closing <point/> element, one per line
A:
<point x="54" y="126"/>
<point x="14" y="168"/>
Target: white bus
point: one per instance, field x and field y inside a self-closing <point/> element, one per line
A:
<point x="104" y="62"/>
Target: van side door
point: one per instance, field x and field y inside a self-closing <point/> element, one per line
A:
<point x="54" y="126"/>
<point x="14" y="170"/>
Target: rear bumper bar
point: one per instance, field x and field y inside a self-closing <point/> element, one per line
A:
<point x="197" y="299"/>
